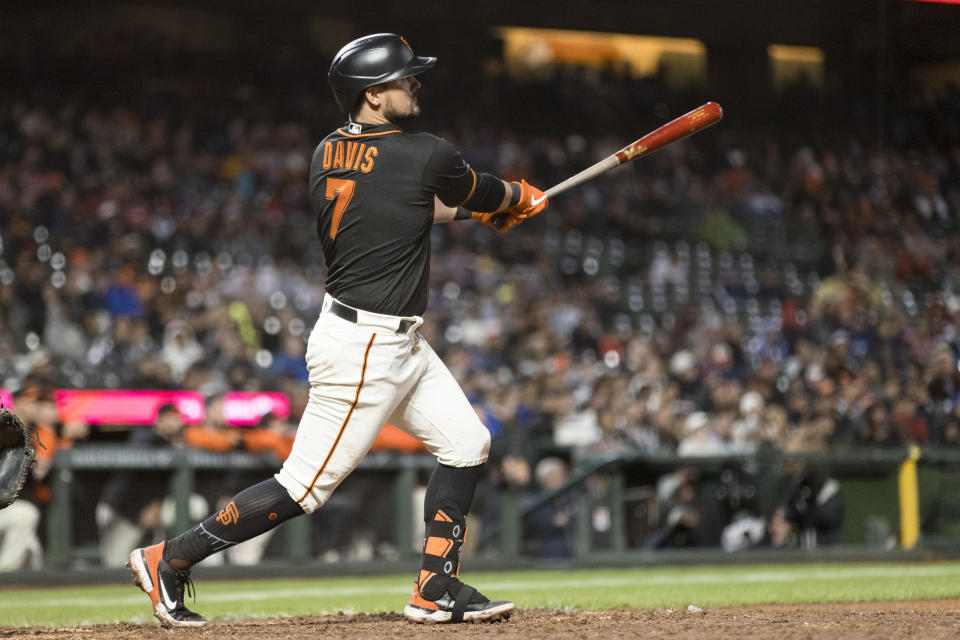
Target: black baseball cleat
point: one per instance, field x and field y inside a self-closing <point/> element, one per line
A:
<point x="165" y="585"/>
<point x="459" y="603"/>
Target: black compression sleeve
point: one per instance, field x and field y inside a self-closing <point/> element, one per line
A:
<point x="488" y="195"/>
<point x="515" y="194"/>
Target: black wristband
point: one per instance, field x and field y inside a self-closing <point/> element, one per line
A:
<point x="463" y="214"/>
<point x="515" y="195"/>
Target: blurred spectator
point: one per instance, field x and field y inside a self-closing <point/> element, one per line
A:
<point x="213" y="434"/>
<point x="691" y="517"/>
<point x="290" y="361"/>
<point x="879" y="428"/>
<point x="548" y="529"/>
<point x="665" y="268"/>
<point x="180" y="349"/>
<point x="131" y="505"/>
<point x="748" y="429"/>
<point x="699" y="438"/>
<point x="812" y="515"/>
<point x="273" y="435"/>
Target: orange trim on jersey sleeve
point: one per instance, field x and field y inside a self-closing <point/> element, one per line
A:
<point x="472" y="188"/>
<point x="364" y="135"/>
<point x="356" y="400"/>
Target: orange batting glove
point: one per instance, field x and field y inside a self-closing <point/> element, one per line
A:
<point x="499" y="220"/>
<point x="532" y="201"/>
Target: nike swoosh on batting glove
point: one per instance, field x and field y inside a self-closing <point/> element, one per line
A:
<point x="532" y="201"/>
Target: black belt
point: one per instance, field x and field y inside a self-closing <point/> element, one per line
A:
<point x="350" y="315"/>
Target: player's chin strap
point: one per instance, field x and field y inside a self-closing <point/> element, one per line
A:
<point x="446" y="533"/>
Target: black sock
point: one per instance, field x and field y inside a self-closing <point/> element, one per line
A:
<point x="454" y="484"/>
<point x="251" y="512"/>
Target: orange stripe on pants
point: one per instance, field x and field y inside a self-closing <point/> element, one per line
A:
<point x="343" y="426"/>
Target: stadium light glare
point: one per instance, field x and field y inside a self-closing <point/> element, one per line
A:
<point x="528" y="50"/>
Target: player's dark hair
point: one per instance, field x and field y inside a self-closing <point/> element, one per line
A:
<point x="359" y="103"/>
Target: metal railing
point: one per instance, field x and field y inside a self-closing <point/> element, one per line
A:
<point x="870" y="478"/>
<point x="870" y="475"/>
<point x="184" y="464"/>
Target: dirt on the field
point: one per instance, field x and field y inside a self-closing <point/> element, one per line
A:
<point x="930" y="620"/>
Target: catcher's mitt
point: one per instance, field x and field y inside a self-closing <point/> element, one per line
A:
<point x="16" y="456"/>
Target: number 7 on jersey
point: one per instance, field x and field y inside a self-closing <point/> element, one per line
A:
<point x="341" y="191"/>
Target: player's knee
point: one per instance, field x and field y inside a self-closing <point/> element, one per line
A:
<point x="485" y="442"/>
<point x="471" y="451"/>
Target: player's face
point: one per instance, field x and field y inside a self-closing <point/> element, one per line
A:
<point x="400" y="99"/>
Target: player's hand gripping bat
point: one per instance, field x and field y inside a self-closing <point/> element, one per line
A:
<point x="697" y="120"/>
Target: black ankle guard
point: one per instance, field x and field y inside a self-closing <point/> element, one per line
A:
<point x="446" y="533"/>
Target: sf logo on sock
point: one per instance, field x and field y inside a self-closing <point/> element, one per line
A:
<point x="228" y="515"/>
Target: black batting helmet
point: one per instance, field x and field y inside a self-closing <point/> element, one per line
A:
<point x="370" y="60"/>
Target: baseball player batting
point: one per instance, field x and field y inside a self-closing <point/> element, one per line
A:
<point x="376" y="190"/>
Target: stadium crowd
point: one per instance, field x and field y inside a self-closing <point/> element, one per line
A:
<point x="750" y="288"/>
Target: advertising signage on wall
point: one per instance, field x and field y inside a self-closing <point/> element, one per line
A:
<point x="133" y="407"/>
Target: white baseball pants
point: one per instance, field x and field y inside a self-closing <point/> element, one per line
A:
<point x="363" y="375"/>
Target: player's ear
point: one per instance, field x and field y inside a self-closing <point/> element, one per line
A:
<point x="373" y="95"/>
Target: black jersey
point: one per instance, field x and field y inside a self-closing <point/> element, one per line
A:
<point x="372" y="188"/>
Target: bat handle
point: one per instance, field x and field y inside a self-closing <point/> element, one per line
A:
<point x="556" y="189"/>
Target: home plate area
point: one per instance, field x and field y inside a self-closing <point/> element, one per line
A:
<point x="930" y="619"/>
